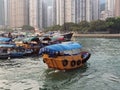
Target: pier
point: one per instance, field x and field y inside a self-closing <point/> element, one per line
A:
<point x="98" y="35"/>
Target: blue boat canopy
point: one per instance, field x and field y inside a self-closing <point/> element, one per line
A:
<point x="29" y="39"/>
<point x="4" y="39"/>
<point x="7" y="45"/>
<point x="61" y="47"/>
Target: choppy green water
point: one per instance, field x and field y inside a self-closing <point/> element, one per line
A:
<point x="102" y="71"/>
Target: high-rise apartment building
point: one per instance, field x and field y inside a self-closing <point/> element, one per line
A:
<point x="83" y="10"/>
<point x="60" y="12"/>
<point x="117" y="8"/>
<point x="54" y="11"/>
<point x="49" y="16"/>
<point x="65" y="11"/>
<point x="49" y="13"/>
<point x="33" y="13"/>
<point x="2" y="13"/>
<point x="40" y="15"/>
<point x="68" y="10"/>
<point x="89" y="10"/>
<point x="109" y="8"/>
<point x="44" y="13"/>
<point x="95" y="9"/>
<point x="6" y="12"/>
<point x="73" y="11"/>
<point x="18" y="13"/>
<point x="76" y="10"/>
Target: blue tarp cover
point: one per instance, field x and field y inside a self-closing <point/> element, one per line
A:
<point x="64" y="46"/>
<point x="4" y="39"/>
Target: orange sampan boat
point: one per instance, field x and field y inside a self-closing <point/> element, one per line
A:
<point x="64" y="56"/>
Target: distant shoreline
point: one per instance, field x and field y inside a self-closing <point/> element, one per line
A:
<point x="98" y="35"/>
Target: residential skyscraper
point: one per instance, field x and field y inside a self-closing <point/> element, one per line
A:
<point x="76" y="10"/>
<point x="60" y="12"/>
<point x="6" y="12"/>
<point x="49" y="16"/>
<point x="68" y="10"/>
<point x="40" y="16"/>
<point x="44" y="13"/>
<point x="54" y="11"/>
<point x="83" y="10"/>
<point x="2" y="13"/>
<point x="95" y="9"/>
<point x="109" y="8"/>
<point x="73" y="9"/>
<point x="117" y="8"/>
<point x="18" y="13"/>
<point x="89" y="10"/>
<point x="33" y="13"/>
<point x="50" y="6"/>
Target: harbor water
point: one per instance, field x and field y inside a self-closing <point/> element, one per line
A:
<point x="101" y="72"/>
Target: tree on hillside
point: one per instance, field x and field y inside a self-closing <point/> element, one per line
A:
<point x="27" y="27"/>
<point x="98" y="25"/>
<point x="113" y="25"/>
<point x="69" y="26"/>
<point x="54" y="28"/>
<point x="84" y="26"/>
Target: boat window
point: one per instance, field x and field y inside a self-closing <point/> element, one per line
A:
<point x="1" y="50"/>
<point x="76" y="51"/>
<point x="71" y="52"/>
<point x="61" y="53"/>
<point x="66" y="52"/>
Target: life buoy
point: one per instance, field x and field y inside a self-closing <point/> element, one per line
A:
<point x="73" y="63"/>
<point x="78" y="62"/>
<point x="65" y="62"/>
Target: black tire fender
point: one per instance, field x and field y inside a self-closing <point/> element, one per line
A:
<point x="65" y="62"/>
<point x="73" y="63"/>
<point x="78" y="62"/>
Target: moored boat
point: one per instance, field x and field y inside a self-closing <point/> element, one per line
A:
<point x="68" y="36"/>
<point x="10" y="51"/>
<point x="17" y="52"/>
<point x="4" y="52"/>
<point x="31" y="46"/>
<point x="5" y="40"/>
<point x="64" y="56"/>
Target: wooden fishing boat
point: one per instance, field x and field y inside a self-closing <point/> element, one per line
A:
<point x="10" y="51"/>
<point x="57" y="36"/>
<point x="5" y="40"/>
<point x="67" y="36"/>
<point x="17" y="52"/>
<point x="31" y="45"/>
<point x="4" y="54"/>
<point x="64" y="56"/>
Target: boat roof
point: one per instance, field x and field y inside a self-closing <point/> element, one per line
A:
<point x="29" y="39"/>
<point x="5" y="39"/>
<point x="7" y="45"/>
<point x="64" y="46"/>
